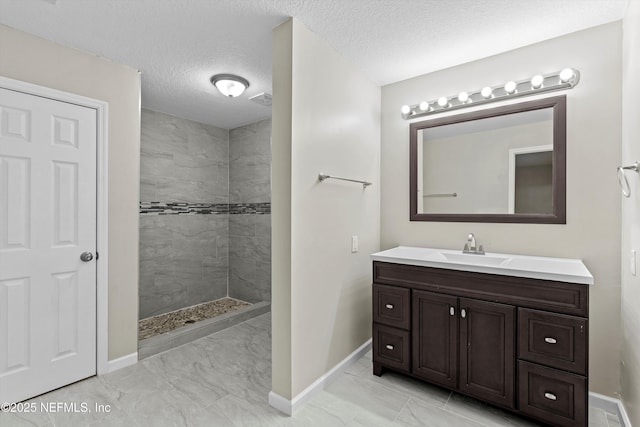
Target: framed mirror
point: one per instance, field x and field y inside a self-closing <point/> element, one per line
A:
<point x="504" y="164"/>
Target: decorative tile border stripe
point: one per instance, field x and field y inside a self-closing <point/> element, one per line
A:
<point x="249" y="208"/>
<point x="179" y="208"/>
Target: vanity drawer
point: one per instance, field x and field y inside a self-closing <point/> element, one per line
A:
<point x="391" y="347"/>
<point x="391" y="306"/>
<point x="553" y="396"/>
<point x="555" y="340"/>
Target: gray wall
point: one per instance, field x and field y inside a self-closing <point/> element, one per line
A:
<point x="183" y="257"/>
<point x="250" y="217"/>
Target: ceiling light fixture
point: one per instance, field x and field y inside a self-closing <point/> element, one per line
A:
<point x="565" y="79"/>
<point x="230" y="85"/>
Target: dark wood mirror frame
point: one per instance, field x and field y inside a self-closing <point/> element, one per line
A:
<point x="558" y="103"/>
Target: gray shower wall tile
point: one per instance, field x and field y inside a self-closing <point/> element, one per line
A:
<point x="250" y="163"/>
<point x="183" y="161"/>
<point x="262" y="225"/>
<point x="250" y="234"/>
<point x="242" y="225"/>
<point x="156" y="164"/>
<point x="169" y="189"/>
<point x="191" y="258"/>
<point x="148" y="188"/>
<point x="250" y="257"/>
<point x="183" y="258"/>
<point x="183" y="261"/>
<point x="162" y="133"/>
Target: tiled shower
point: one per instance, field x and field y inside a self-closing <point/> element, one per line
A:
<point x="205" y="222"/>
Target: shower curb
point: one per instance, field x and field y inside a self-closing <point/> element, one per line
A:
<point x="177" y="337"/>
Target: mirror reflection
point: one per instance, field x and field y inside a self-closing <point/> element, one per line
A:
<point x="505" y="164"/>
<point x="500" y="164"/>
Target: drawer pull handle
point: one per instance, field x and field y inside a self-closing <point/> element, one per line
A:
<point x="452" y="311"/>
<point x="550" y="396"/>
<point x="389" y="306"/>
<point x="550" y="340"/>
<point x="463" y="313"/>
<point x="389" y="347"/>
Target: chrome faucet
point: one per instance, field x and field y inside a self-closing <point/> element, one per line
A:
<point x="471" y="248"/>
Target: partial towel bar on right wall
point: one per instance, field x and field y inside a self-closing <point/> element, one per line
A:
<point x="622" y="178"/>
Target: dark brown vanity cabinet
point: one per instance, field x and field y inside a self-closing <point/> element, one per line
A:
<point x="514" y="342"/>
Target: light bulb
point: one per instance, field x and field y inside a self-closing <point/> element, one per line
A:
<point x="405" y="109"/>
<point x="510" y="87"/>
<point x="463" y="97"/>
<point x="536" y="81"/>
<point x="443" y="102"/>
<point x="566" y="75"/>
<point x="424" y="106"/>
<point x="486" y="92"/>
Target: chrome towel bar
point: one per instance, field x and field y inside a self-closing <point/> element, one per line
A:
<point x="322" y="177"/>
<point x="622" y="178"/>
<point x="441" y="195"/>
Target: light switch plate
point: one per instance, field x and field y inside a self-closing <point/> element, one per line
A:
<point x="354" y="244"/>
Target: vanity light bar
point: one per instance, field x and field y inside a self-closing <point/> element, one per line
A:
<point x="565" y="79"/>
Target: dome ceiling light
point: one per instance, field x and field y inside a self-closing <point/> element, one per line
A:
<point x="230" y="85"/>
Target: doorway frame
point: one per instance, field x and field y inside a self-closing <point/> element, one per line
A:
<point x="513" y="152"/>
<point x="102" y="206"/>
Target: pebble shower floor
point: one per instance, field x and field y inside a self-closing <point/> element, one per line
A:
<point x="163" y="323"/>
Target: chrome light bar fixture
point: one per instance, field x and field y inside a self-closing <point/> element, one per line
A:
<point x="565" y="79"/>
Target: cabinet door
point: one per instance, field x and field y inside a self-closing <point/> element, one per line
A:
<point x="435" y="337"/>
<point x="487" y="351"/>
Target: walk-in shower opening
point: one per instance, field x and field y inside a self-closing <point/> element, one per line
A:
<point x="205" y="228"/>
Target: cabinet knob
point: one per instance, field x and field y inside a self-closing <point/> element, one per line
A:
<point x="389" y="347"/>
<point x="452" y="310"/>
<point x="550" y="396"/>
<point x="389" y="306"/>
<point x="550" y="340"/>
<point x="463" y="313"/>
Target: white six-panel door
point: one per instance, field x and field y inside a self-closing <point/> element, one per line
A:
<point x="47" y="220"/>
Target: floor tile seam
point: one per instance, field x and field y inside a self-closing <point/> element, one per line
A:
<point x="416" y="396"/>
<point x="445" y="408"/>
<point x="395" y="419"/>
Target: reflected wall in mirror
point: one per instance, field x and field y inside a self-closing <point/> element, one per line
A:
<point x="504" y="164"/>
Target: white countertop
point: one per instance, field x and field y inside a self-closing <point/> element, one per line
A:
<point x="546" y="268"/>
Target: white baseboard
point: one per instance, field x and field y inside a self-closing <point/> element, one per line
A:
<point x="289" y="407"/>
<point x="611" y="405"/>
<point x="122" y="362"/>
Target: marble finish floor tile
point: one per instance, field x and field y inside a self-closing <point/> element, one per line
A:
<point x="157" y="325"/>
<point x="224" y="379"/>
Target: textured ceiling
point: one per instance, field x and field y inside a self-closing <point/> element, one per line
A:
<point x="179" y="44"/>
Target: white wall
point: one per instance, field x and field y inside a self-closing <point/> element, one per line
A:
<point x="630" y="360"/>
<point x="34" y="60"/>
<point x="326" y="118"/>
<point x="592" y="232"/>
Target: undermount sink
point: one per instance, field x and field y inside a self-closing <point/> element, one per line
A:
<point x="475" y="259"/>
<point x="546" y="268"/>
